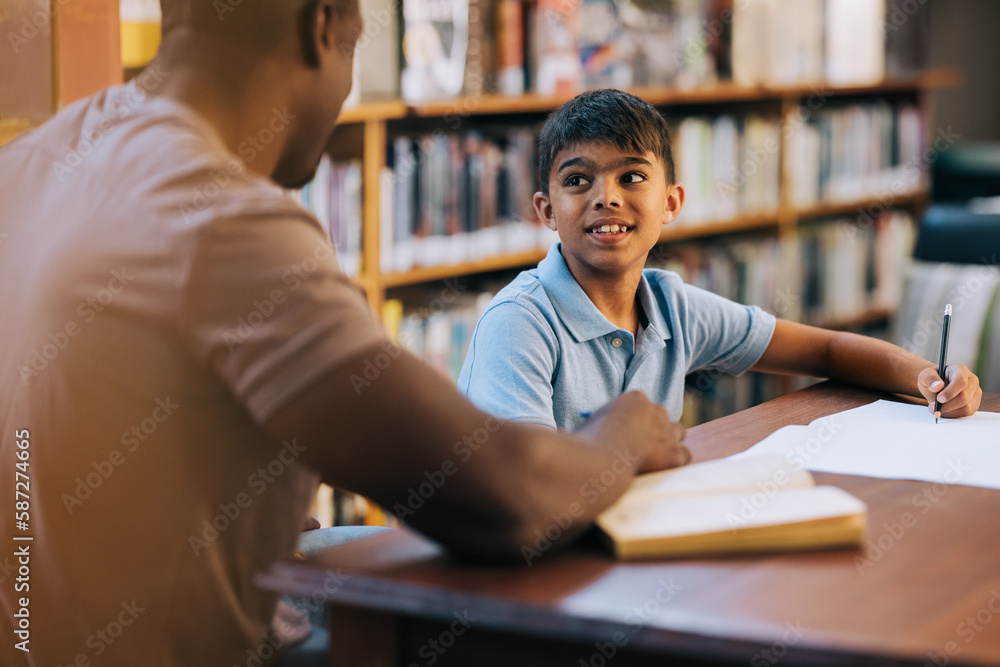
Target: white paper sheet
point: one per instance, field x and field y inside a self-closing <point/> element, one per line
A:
<point x="894" y="441"/>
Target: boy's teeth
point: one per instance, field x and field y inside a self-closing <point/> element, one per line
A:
<point x="610" y="229"/>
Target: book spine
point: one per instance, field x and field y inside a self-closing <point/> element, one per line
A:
<point x="510" y="47"/>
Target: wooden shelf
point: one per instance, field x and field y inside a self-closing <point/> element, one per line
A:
<point x="431" y="273"/>
<point x="660" y="96"/>
<point x="857" y="207"/>
<point x="680" y="232"/>
<point x="384" y="110"/>
<point x="482" y="105"/>
<point x="11" y="127"/>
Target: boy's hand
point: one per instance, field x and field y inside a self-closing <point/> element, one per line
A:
<point x="635" y="421"/>
<point x="959" y="398"/>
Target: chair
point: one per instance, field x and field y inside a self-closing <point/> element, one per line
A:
<point x="957" y="261"/>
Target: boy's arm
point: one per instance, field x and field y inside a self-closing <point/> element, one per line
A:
<point x="804" y="350"/>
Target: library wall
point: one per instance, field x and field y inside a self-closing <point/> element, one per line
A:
<point x="962" y="34"/>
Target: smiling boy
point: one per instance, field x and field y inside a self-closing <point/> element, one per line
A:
<point x="591" y="323"/>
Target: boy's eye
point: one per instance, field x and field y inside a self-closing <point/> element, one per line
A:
<point x="633" y="177"/>
<point x="575" y="180"/>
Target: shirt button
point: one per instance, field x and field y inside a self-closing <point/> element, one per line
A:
<point x="616" y="342"/>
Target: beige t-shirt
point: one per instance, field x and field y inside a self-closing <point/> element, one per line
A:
<point x="158" y="302"/>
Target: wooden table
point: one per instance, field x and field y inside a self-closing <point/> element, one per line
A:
<point x="925" y="590"/>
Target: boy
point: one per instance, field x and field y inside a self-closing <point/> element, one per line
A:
<point x="590" y="323"/>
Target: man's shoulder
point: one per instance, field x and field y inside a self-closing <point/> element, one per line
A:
<point x="168" y="159"/>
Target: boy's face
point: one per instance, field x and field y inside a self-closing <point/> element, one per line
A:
<point x="598" y="188"/>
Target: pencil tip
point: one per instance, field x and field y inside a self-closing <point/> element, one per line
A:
<point x="937" y="415"/>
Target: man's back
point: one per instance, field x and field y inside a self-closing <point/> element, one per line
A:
<point x="149" y="313"/>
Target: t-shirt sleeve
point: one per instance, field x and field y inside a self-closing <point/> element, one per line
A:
<point x="268" y="308"/>
<point x="722" y="334"/>
<point x="510" y="365"/>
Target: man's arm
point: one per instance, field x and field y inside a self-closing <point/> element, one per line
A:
<point x="408" y="440"/>
<point x="804" y="350"/>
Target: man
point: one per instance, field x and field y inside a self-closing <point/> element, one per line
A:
<point x="181" y="359"/>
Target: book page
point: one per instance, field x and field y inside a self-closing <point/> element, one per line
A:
<point x="724" y="476"/>
<point x="894" y="441"/>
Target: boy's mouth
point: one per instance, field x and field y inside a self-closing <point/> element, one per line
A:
<point x="607" y="230"/>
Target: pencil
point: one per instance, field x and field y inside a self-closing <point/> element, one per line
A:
<point x="941" y="361"/>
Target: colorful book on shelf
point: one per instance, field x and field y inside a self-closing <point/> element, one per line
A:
<point x="855" y="42"/>
<point x="907" y="26"/>
<point x="831" y="271"/>
<point x="856" y="152"/>
<point x="435" y="48"/>
<point x="140" y="31"/>
<point x="461" y="198"/>
<point x="777" y="42"/>
<point x="731" y="507"/>
<point x="729" y="166"/>
<point x="334" y="197"/>
<point x="509" y="45"/>
<point x="555" y="48"/>
<point x="376" y="56"/>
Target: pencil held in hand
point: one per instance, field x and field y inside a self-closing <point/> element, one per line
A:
<point x="941" y="361"/>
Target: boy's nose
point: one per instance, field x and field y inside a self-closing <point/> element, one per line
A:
<point x="607" y="195"/>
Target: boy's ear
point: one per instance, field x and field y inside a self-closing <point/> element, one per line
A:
<point x="674" y="203"/>
<point x="543" y="208"/>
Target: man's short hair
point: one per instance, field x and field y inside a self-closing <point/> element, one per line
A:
<point x="260" y="21"/>
<point x="607" y="115"/>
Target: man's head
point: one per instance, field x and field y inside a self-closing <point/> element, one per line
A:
<point x="605" y="116"/>
<point x="252" y="53"/>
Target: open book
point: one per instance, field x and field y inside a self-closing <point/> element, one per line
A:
<point x="731" y="506"/>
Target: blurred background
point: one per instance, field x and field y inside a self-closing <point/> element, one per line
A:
<point x="841" y="157"/>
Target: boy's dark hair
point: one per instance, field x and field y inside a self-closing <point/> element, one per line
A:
<point x="604" y="115"/>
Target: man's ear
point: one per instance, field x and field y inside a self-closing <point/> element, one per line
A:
<point x="543" y="209"/>
<point x="310" y="29"/>
<point x="674" y="203"/>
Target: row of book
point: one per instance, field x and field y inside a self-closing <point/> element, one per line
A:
<point x="830" y="272"/>
<point x="861" y="151"/>
<point x="729" y="165"/>
<point x="334" y="196"/>
<point x="450" y="198"/>
<point x="431" y="49"/>
<point x="840" y="42"/>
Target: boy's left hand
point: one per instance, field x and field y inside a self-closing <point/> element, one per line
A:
<point x="960" y="397"/>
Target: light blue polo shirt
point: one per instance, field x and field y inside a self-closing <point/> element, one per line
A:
<point x="543" y="353"/>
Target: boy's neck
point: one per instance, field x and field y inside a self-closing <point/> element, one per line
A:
<point x="616" y="296"/>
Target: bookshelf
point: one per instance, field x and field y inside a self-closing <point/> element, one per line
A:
<point x="376" y="122"/>
<point x="56" y="53"/>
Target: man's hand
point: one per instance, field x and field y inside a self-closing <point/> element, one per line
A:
<point x="635" y="421"/>
<point x="959" y="398"/>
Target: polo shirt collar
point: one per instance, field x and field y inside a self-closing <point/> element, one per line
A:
<point x="653" y="311"/>
<point x="575" y="309"/>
